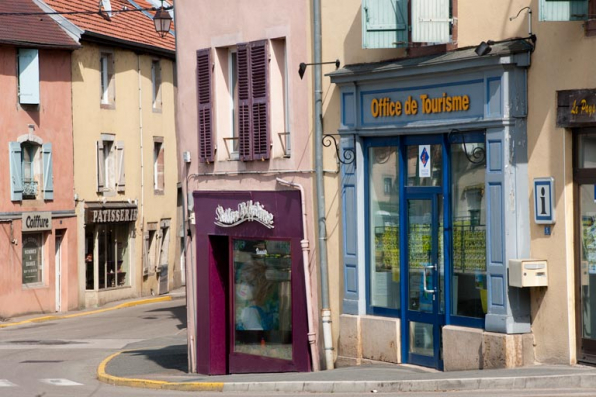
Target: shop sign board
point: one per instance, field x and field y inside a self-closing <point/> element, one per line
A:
<point x="544" y="208"/>
<point x="582" y="107"/>
<point x="111" y="215"/>
<point x="36" y="221"/>
<point x="248" y="211"/>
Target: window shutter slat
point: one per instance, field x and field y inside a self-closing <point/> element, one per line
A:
<point x="204" y="103"/>
<point x="563" y="10"/>
<point x="160" y="169"/>
<point x="259" y="72"/>
<point x="244" y="103"/>
<point x="100" y="167"/>
<point x="121" y="166"/>
<point x="430" y="21"/>
<point x="16" y="180"/>
<point x="28" y="76"/>
<point x="48" y="174"/>
<point x="384" y="23"/>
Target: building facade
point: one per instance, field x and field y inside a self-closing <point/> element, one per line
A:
<point x="126" y="178"/>
<point x="246" y="150"/>
<point x="471" y="195"/>
<point x="37" y="210"/>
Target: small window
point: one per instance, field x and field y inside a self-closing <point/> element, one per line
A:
<point x="158" y="166"/>
<point x="151" y="249"/>
<point x="165" y="245"/>
<point x="32" y="258"/>
<point x="110" y="165"/>
<point x="156" y="84"/>
<point x="31" y="170"/>
<point x="106" y="69"/>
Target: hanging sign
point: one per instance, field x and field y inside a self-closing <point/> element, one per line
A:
<point x="424" y="161"/>
<point x="248" y="211"/>
<point x="544" y="209"/>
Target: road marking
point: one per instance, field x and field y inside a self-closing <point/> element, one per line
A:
<point x="6" y="383"/>
<point x="60" y="382"/>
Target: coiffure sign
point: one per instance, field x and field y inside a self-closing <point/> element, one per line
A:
<point x="37" y="221"/>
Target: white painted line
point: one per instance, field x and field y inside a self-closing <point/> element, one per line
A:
<point x="6" y="383"/>
<point x="60" y="382"/>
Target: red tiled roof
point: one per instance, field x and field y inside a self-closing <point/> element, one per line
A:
<point x="134" y="27"/>
<point x="34" y="30"/>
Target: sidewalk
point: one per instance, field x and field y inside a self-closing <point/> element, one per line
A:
<point x="179" y="293"/>
<point x="162" y="364"/>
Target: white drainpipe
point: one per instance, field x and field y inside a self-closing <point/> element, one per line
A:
<point x="312" y="334"/>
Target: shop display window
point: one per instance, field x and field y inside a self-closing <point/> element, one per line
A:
<point x="32" y="258"/>
<point x="262" y="301"/>
<point x="384" y="225"/>
<point x="107" y="249"/>
<point x="469" y="289"/>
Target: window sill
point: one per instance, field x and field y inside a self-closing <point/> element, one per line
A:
<point x="414" y="52"/>
<point x="156" y="109"/>
<point x="158" y="192"/>
<point x="109" y="106"/>
<point x="34" y="286"/>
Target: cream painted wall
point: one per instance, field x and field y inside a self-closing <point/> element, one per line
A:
<point x="137" y="132"/>
<point x="562" y="60"/>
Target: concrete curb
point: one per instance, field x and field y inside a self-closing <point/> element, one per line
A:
<point x="87" y="313"/>
<point x="430" y="385"/>
<point x="102" y="376"/>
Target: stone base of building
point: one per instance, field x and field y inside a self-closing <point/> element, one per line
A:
<point x="369" y="339"/>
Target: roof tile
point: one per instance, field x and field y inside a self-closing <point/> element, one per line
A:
<point x="33" y="30"/>
<point x="136" y="27"/>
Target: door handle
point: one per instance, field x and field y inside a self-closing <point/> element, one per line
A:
<point x="424" y="287"/>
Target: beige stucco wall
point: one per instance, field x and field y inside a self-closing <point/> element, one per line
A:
<point x="134" y="122"/>
<point x="561" y="61"/>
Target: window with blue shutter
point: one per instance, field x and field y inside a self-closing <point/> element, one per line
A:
<point x="16" y="180"/>
<point x="28" y="76"/>
<point x="384" y="23"/>
<point x="563" y="10"/>
<point x="430" y="21"/>
<point x="48" y="175"/>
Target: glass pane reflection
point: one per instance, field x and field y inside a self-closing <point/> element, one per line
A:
<point x="263" y="298"/>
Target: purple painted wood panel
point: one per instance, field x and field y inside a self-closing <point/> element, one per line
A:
<point x="214" y="320"/>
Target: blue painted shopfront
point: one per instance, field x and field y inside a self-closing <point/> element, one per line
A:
<point x="431" y="247"/>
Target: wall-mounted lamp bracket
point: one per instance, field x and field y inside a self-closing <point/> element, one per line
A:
<point x="478" y="154"/>
<point x="302" y="66"/>
<point x="349" y="154"/>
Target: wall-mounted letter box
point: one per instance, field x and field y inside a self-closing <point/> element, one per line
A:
<point x="528" y="273"/>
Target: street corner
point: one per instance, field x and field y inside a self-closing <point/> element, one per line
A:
<point x="105" y="377"/>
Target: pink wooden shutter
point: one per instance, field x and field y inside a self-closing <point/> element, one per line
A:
<point x="206" y="154"/>
<point x="244" y="123"/>
<point x="259" y="67"/>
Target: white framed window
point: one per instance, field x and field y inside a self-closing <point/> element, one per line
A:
<point x="156" y="84"/>
<point x="107" y="89"/>
<point x="151" y="248"/>
<point x="31" y="170"/>
<point x="110" y="165"/>
<point x="158" y="165"/>
<point x="233" y="92"/>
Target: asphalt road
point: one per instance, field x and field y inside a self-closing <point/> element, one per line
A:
<point x="60" y="358"/>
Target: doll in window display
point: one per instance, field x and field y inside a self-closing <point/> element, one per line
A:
<point x="256" y="307"/>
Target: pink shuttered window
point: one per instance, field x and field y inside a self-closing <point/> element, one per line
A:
<point x="205" y="107"/>
<point x="253" y="100"/>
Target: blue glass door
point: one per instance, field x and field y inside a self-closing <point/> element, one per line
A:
<point x="425" y="282"/>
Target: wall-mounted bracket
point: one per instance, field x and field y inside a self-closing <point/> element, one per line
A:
<point x="349" y="154"/>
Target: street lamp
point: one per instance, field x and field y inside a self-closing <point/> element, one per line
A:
<point x="162" y="21"/>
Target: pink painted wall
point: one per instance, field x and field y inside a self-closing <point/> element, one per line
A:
<point x="52" y="120"/>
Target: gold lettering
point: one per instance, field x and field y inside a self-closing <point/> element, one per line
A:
<point x="374" y="108"/>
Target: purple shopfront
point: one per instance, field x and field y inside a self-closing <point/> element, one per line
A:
<point x="251" y="303"/>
